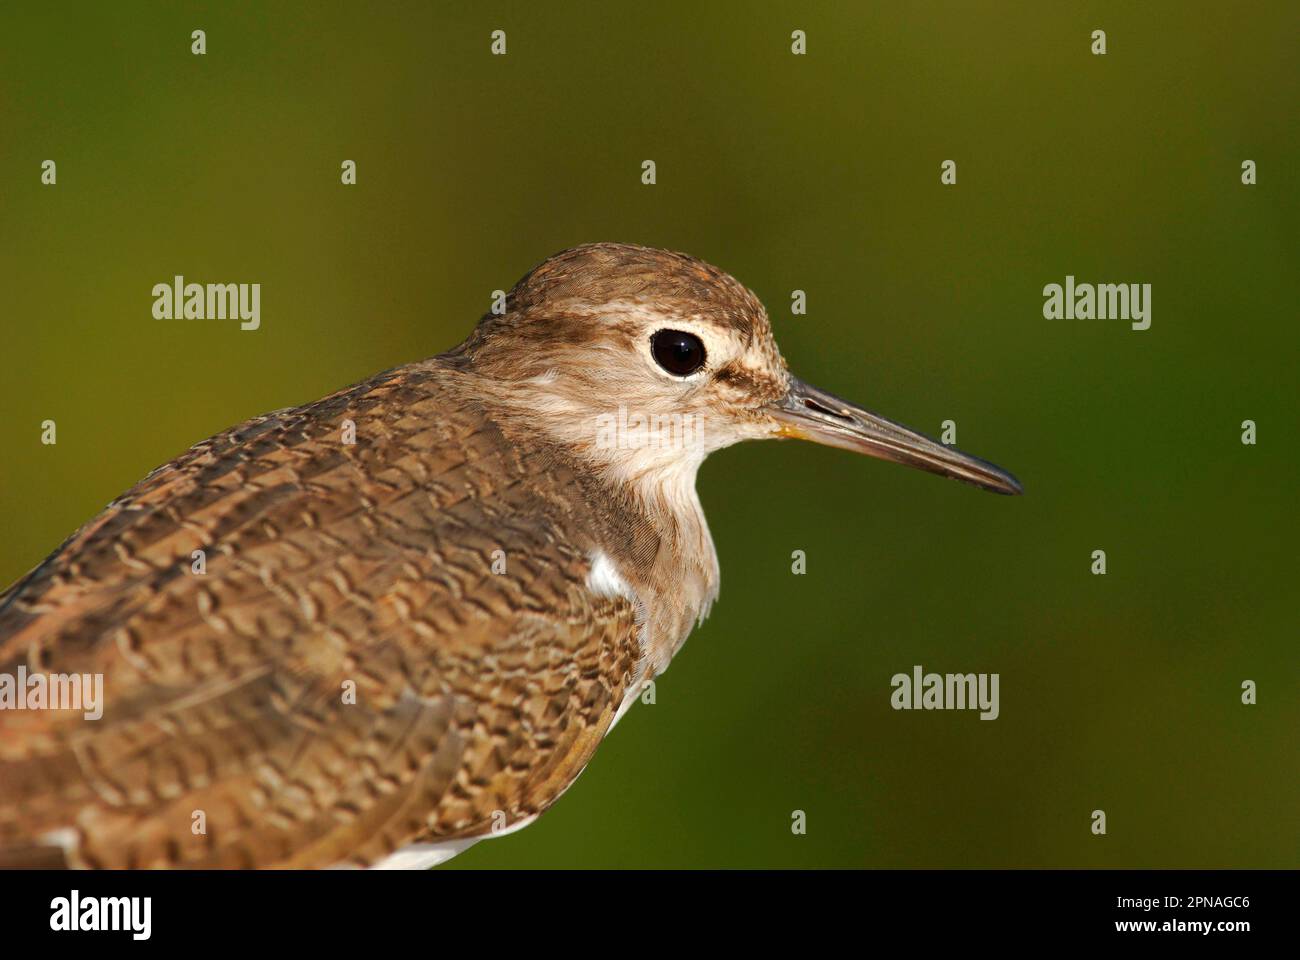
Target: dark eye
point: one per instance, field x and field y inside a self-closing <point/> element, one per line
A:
<point x="681" y="354"/>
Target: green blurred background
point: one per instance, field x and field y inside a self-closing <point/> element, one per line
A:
<point x="821" y="173"/>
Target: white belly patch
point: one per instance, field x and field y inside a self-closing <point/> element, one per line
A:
<point x="422" y="856"/>
<point x="604" y="580"/>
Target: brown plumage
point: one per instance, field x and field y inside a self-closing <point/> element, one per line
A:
<point x="443" y="567"/>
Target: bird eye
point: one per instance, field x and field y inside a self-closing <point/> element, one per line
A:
<point x="681" y="354"/>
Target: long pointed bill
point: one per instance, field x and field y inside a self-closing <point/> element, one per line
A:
<point x="808" y="413"/>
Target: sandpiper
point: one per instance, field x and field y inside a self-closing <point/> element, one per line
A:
<point x="376" y="628"/>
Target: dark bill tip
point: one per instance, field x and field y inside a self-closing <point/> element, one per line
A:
<point x="812" y="414"/>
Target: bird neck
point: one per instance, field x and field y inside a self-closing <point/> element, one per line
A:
<point x="676" y="581"/>
<point x="653" y="528"/>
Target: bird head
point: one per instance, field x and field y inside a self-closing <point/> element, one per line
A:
<point x="647" y="360"/>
